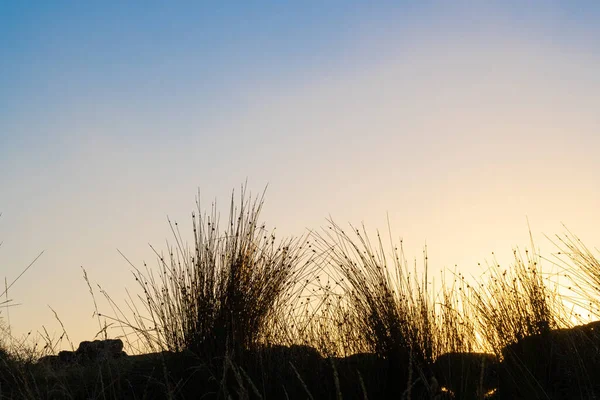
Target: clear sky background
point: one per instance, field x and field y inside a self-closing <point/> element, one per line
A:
<point x="459" y="120"/>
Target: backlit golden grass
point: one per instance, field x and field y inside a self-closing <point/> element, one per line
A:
<point x="224" y="290"/>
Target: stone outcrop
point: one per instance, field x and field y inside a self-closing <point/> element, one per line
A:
<point x="467" y="376"/>
<point x="557" y="364"/>
<point x="86" y="353"/>
<point x="358" y="370"/>
<point x="279" y="366"/>
<point x="100" y="350"/>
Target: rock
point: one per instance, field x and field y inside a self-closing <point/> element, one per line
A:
<point x="51" y="361"/>
<point x="467" y="376"/>
<point x="100" y="350"/>
<point x="359" y="373"/>
<point x="67" y="357"/>
<point x="86" y="353"/>
<point x="153" y="376"/>
<point x="286" y="371"/>
<point x="557" y="364"/>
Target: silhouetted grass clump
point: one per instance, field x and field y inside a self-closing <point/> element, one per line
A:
<point x="581" y="266"/>
<point x="515" y="303"/>
<point x="226" y="290"/>
<point x="389" y="307"/>
<point x="238" y="314"/>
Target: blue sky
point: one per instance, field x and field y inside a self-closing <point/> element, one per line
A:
<point x="458" y="120"/>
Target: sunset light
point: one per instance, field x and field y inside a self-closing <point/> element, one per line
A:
<point x="465" y="129"/>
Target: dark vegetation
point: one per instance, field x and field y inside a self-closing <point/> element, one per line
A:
<point x="240" y="314"/>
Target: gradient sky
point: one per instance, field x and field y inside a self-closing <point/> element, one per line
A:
<point x="459" y="120"/>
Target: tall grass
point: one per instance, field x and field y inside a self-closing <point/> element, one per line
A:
<point x="390" y="306"/>
<point x="458" y="331"/>
<point x="236" y="288"/>
<point x="14" y="352"/>
<point x="581" y="266"/>
<point x="226" y="290"/>
<point x="381" y="306"/>
<point x="517" y="302"/>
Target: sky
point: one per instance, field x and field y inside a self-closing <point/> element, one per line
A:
<point x="460" y="122"/>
